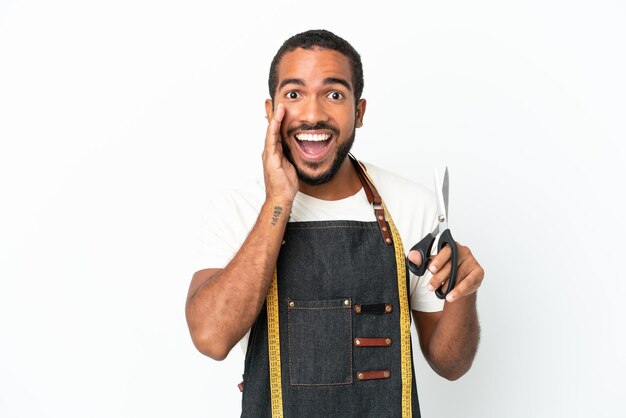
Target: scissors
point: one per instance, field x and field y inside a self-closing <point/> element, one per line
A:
<point x="426" y="244"/>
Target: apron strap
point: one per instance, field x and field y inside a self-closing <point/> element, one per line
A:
<point x="374" y="198"/>
<point x="389" y="230"/>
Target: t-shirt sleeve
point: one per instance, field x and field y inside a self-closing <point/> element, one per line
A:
<point x="213" y="250"/>
<point x="223" y="227"/>
<point x="422" y="299"/>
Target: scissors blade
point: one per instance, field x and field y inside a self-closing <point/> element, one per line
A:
<point x="441" y="206"/>
<point x="445" y="189"/>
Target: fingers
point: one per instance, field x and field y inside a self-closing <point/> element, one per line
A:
<point x="281" y="179"/>
<point x="272" y="139"/>
<point x="469" y="275"/>
<point x="277" y="118"/>
<point x="439" y="260"/>
<point x="415" y="257"/>
<point x="441" y="277"/>
<point x="468" y="285"/>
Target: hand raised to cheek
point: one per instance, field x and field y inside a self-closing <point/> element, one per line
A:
<point x="281" y="180"/>
<point x="469" y="275"/>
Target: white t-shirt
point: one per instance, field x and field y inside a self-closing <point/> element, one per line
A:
<point x="413" y="209"/>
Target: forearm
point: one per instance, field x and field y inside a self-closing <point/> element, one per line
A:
<point x="455" y="339"/>
<point x="223" y="307"/>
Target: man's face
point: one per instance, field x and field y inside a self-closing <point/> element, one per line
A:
<point x="318" y="129"/>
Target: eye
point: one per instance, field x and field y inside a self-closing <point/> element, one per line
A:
<point x="292" y="95"/>
<point x="335" y="95"/>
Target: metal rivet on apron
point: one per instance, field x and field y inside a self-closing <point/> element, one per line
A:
<point x="357" y="341"/>
<point x="380" y="217"/>
<point x="359" y="376"/>
<point x="346" y="302"/>
<point x="291" y="304"/>
<point x="384" y="228"/>
<point x="387" y="240"/>
<point x="357" y="309"/>
<point x="388" y="308"/>
<point x="388" y="341"/>
<point x="386" y="374"/>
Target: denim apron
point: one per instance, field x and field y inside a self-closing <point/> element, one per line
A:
<point x="341" y="323"/>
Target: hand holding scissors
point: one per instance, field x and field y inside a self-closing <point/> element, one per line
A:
<point x="425" y="246"/>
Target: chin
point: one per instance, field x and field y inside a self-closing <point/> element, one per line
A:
<point x="317" y="178"/>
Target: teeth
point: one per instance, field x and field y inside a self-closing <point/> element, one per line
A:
<point x="312" y="137"/>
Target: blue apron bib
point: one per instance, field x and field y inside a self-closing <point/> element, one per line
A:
<point x="339" y="326"/>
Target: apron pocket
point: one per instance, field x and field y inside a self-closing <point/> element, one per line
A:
<point x="320" y="342"/>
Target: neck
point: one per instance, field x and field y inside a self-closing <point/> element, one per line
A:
<point x="344" y="184"/>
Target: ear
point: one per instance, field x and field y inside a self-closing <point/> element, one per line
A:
<point x="269" y="109"/>
<point x="360" y="111"/>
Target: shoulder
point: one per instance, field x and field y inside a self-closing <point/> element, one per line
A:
<point x="412" y="206"/>
<point x="400" y="191"/>
<point x="226" y="222"/>
<point x="241" y="202"/>
<point x="233" y="212"/>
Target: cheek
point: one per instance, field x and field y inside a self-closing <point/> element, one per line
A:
<point x="348" y="121"/>
<point x="292" y="109"/>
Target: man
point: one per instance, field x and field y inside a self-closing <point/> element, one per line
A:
<point x="319" y="284"/>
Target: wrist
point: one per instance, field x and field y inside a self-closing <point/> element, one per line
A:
<point x="282" y="202"/>
<point x="278" y="210"/>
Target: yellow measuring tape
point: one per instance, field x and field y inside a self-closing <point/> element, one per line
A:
<point x="273" y="345"/>
<point x="405" y="332"/>
<point x="405" y="320"/>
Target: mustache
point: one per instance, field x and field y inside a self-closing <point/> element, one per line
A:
<point x="308" y="127"/>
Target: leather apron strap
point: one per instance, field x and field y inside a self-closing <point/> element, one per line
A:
<point x="373" y="197"/>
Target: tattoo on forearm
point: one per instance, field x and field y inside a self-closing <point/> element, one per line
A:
<point x="277" y="211"/>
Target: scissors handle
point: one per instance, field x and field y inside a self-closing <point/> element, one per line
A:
<point x="424" y="247"/>
<point x="446" y="239"/>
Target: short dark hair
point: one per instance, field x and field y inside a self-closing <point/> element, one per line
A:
<point x="319" y="38"/>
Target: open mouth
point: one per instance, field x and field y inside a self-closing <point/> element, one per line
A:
<point x="313" y="145"/>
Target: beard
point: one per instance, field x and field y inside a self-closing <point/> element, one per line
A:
<point x="340" y="156"/>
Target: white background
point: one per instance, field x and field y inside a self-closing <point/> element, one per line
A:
<point x="120" y="119"/>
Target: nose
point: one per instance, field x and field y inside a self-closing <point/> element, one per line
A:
<point x="313" y="111"/>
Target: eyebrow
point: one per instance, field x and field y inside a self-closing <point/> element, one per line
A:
<point x="286" y="81"/>
<point x="329" y="80"/>
<point x="341" y="81"/>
